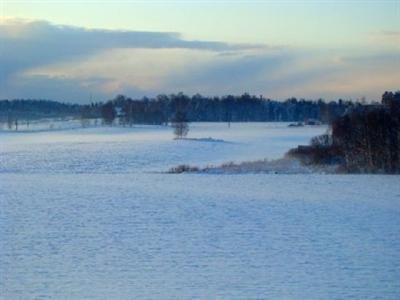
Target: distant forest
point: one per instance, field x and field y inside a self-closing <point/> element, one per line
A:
<point x="197" y="108"/>
<point x="20" y="109"/>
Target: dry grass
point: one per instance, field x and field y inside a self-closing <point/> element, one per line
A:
<point x="286" y="165"/>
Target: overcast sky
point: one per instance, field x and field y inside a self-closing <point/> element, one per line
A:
<point x="80" y="50"/>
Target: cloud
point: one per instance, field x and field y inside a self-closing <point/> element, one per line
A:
<point x="307" y="74"/>
<point x="386" y="38"/>
<point x="344" y="76"/>
<point x="234" y="73"/>
<point x="43" y="87"/>
<point x="391" y="34"/>
<point x="26" y="44"/>
<point x="43" y="60"/>
<point x="170" y="70"/>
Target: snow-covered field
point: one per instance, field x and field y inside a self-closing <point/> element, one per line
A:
<point x="87" y="214"/>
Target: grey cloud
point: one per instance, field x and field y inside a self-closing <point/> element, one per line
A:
<point x="43" y="87"/>
<point x="40" y="87"/>
<point x="39" y="43"/>
<point x="64" y="89"/>
<point x="273" y="73"/>
<point x="279" y="76"/>
<point x="234" y="73"/>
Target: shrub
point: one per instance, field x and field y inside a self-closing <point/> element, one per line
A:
<point x="183" y="169"/>
<point x="317" y="155"/>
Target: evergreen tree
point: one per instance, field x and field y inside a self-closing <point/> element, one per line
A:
<point x="108" y="113"/>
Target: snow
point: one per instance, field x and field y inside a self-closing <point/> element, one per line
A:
<point x="145" y="148"/>
<point x="87" y="214"/>
<point x="284" y="165"/>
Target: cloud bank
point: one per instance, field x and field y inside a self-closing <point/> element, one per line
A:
<point x="42" y="60"/>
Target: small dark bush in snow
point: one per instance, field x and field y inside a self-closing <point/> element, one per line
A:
<point x="183" y="169"/>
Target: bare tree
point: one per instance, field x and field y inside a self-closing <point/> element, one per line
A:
<point x="9" y="122"/>
<point x="180" y="124"/>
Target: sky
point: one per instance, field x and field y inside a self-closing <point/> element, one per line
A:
<point x="82" y="51"/>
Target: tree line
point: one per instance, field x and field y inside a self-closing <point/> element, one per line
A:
<point x="365" y="139"/>
<point x="162" y="109"/>
<point x="245" y="108"/>
<point x="14" y="112"/>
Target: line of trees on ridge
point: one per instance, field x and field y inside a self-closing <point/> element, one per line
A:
<point x="163" y="108"/>
<point x="244" y="108"/>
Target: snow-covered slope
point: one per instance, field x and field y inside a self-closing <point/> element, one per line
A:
<point x="145" y="148"/>
<point x="85" y="214"/>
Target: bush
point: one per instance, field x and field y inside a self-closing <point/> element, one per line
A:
<point x="317" y="155"/>
<point x="183" y="169"/>
<point x="324" y="140"/>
